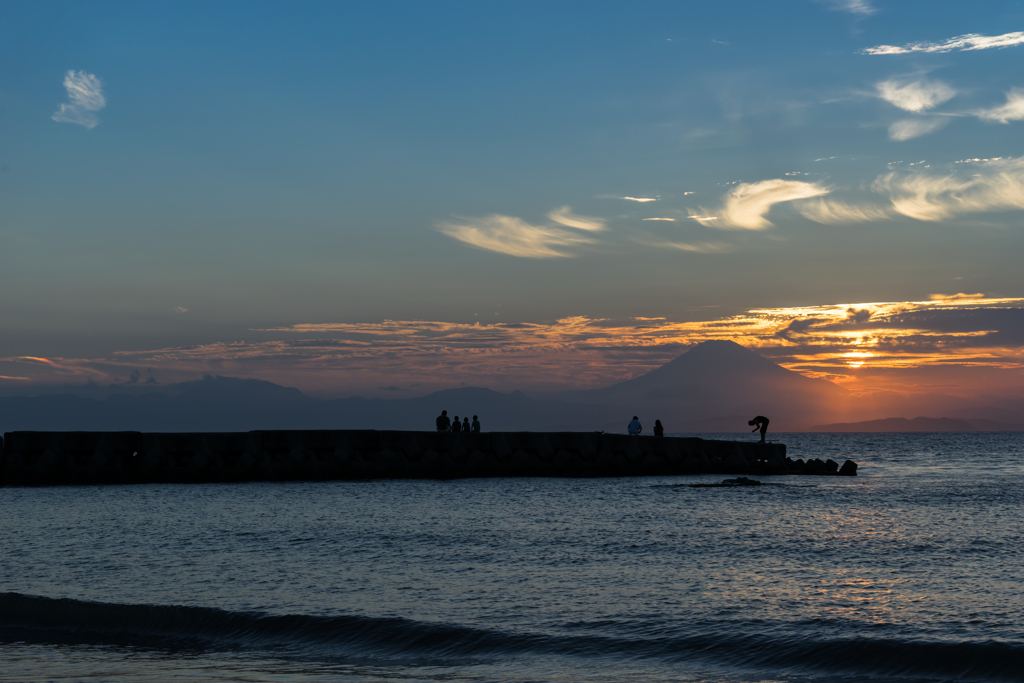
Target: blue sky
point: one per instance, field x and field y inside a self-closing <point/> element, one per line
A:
<point x="181" y="176"/>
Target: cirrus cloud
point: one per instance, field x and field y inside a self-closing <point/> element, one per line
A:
<point x="746" y="206"/>
<point x="972" y="186"/>
<point x="1013" y="110"/>
<point x="915" y="96"/>
<point x="908" y="129"/>
<point x="85" y="91"/>
<point x="859" y="7"/>
<point x="515" y="237"/>
<point x="834" y="212"/>
<point x="565" y="216"/>
<point x="964" y="43"/>
<point x="994" y="185"/>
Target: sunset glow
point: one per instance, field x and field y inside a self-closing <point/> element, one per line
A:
<point x="864" y="347"/>
<point x="328" y="217"/>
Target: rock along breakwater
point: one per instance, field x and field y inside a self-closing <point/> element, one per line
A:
<point x="49" y="458"/>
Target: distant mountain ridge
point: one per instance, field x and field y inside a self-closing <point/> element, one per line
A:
<point x="716" y="386"/>
<point x="233" y="404"/>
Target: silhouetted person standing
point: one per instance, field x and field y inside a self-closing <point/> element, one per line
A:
<point x="760" y="422"/>
<point x="658" y="429"/>
<point x="456" y="425"/>
<point x="634" y="426"/>
<point x="443" y="423"/>
<point x="476" y="425"/>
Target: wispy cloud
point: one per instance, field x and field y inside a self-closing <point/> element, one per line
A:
<point x="964" y="43"/>
<point x="916" y="96"/>
<point x="830" y="211"/>
<point x="640" y="199"/>
<point x="515" y="237"/>
<point x="969" y="186"/>
<point x="1013" y="110"/>
<point x="908" y="129"/>
<point x="991" y="186"/>
<point x="565" y="216"/>
<point x="859" y="7"/>
<point x="694" y="248"/>
<point x="85" y="91"/>
<point x="37" y="359"/>
<point x="659" y="219"/>
<point x="747" y="205"/>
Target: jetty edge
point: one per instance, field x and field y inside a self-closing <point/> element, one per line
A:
<point x="69" y="458"/>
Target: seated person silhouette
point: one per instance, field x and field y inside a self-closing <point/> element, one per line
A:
<point x="634" y="426"/>
<point x="476" y="425"/>
<point x="760" y="422"/>
<point x="465" y="424"/>
<point x="456" y="425"/>
<point x="658" y="429"/>
<point x="442" y="422"/>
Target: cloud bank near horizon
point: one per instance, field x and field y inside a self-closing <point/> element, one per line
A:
<point x="847" y="342"/>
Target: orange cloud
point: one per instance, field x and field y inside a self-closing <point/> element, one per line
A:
<point x="866" y="347"/>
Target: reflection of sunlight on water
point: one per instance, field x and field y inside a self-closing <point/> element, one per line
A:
<point x="854" y="598"/>
<point x="815" y="583"/>
<point x="926" y="546"/>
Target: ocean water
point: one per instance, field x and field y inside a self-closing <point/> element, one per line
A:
<point x="912" y="571"/>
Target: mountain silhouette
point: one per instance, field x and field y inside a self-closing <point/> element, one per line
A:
<point x="717" y="383"/>
<point x="715" y="386"/>
<point x="234" y="404"/>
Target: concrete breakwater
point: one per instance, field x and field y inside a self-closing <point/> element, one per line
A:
<point x="45" y="458"/>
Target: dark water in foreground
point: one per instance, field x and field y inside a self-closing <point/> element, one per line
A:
<point x="912" y="571"/>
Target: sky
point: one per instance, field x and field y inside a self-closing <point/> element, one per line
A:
<point x="389" y="198"/>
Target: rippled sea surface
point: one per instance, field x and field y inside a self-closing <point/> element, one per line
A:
<point x="913" y="570"/>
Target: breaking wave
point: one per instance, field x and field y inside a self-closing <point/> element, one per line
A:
<point x="49" y="620"/>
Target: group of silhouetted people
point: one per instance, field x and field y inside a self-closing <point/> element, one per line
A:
<point x="635" y="428"/>
<point x="444" y="424"/>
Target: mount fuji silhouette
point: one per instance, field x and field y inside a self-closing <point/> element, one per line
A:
<point x="715" y="386"/>
<point x="719" y="385"/>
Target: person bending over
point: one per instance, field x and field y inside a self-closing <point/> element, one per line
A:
<point x="760" y="422"/>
